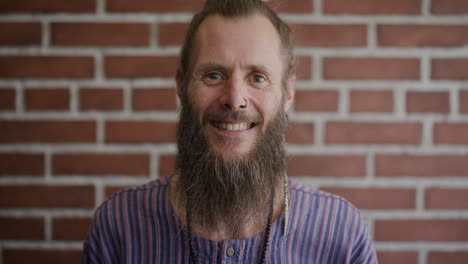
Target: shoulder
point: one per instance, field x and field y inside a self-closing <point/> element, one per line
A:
<point x="155" y="185"/>
<point x="308" y="195"/>
<point x="152" y="185"/>
<point x="323" y="209"/>
<point x="327" y="217"/>
<point x="135" y="196"/>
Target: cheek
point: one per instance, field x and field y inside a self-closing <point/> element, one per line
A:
<point x="269" y="102"/>
<point x="198" y="95"/>
<point x="204" y="101"/>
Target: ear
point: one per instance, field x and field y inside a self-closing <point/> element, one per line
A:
<point x="179" y="82"/>
<point x="290" y="92"/>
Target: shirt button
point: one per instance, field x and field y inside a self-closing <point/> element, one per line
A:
<point x="230" y="252"/>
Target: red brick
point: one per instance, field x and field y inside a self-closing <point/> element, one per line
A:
<point x="153" y="6"/>
<point x="463" y="101"/>
<point x="292" y="6"/>
<point x="377" y="198"/>
<point x="7" y="99"/>
<point x="422" y="165"/>
<point x="327" y="165"/>
<point x="47" y="196"/>
<point x="408" y="35"/>
<point x="446" y="198"/>
<point x="46" y="67"/>
<point x="427" y="102"/>
<point x="300" y="133"/>
<point x="109" y="190"/>
<point x="400" y="257"/>
<point x="451" y="133"/>
<point x="372" y="7"/>
<point x="141" y="66"/>
<point x="18" y="131"/>
<point x="330" y="35"/>
<point x="101" y="164"/>
<point x="21" y="164"/>
<point x="421" y="230"/>
<point x="41" y="256"/>
<point x="20" y="33"/>
<point x="304" y="68"/>
<point x="140" y="132"/>
<point x="48" y="6"/>
<point x="70" y="228"/>
<point x="447" y="257"/>
<point x="317" y="101"/>
<point x="47" y="99"/>
<point x="371" y="69"/>
<point x="172" y="34"/>
<point x="154" y="99"/>
<point x="449" y="6"/>
<point x="373" y="133"/>
<point x="450" y="69"/>
<point x="166" y="165"/>
<point x="101" y="99"/>
<point x="371" y="101"/>
<point x="100" y="34"/>
<point x="22" y="228"/>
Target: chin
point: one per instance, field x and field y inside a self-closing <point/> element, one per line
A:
<point x="229" y="153"/>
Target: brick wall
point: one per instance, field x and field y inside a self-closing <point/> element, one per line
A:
<point x="87" y="107"/>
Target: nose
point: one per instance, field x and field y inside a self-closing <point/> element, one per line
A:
<point x="235" y="96"/>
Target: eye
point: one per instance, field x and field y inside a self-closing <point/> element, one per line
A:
<point x="258" y="78"/>
<point x="213" y="78"/>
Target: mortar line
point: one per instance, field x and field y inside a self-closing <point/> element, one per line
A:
<point x="454" y="101"/>
<point x="46" y="34"/>
<point x="423" y="255"/>
<point x="426" y="8"/>
<point x="318" y="7"/>
<point x="48" y="230"/>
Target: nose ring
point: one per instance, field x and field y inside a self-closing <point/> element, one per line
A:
<point x="245" y="104"/>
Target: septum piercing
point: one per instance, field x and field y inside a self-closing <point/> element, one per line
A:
<point x="245" y="104"/>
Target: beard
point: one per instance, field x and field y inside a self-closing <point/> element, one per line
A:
<point x="229" y="191"/>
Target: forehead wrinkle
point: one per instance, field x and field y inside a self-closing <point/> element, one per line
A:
<point x="212" y="40"/>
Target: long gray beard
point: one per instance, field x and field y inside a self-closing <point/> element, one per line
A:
<point x="232" y="192"/>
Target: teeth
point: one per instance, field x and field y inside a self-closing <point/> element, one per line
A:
<point x="232" y="127"/>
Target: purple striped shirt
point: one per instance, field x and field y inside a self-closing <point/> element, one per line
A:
<point x="138" y="225"/>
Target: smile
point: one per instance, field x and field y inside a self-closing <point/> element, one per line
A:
<point x="232" y="126"/>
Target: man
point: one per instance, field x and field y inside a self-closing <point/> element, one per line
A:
<point x="230" y="200"/>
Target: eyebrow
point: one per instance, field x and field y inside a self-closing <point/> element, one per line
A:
<point x="259" y="68"/>
<point x="211" y="66"/>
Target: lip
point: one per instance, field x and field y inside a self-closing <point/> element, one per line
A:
<point x="231" y="133"/>
<point x="232" y="125"/>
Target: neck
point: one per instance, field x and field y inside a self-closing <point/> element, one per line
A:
<point x="221" y="232"/>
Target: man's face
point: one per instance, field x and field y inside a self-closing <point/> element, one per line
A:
<point x="237" y="81"/>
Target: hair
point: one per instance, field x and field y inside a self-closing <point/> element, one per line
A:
<point x="235" y="9"/>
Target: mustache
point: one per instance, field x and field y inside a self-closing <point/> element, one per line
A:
<point x="232" y="116"/>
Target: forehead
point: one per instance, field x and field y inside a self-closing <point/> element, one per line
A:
<point x="248" y="40"/>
